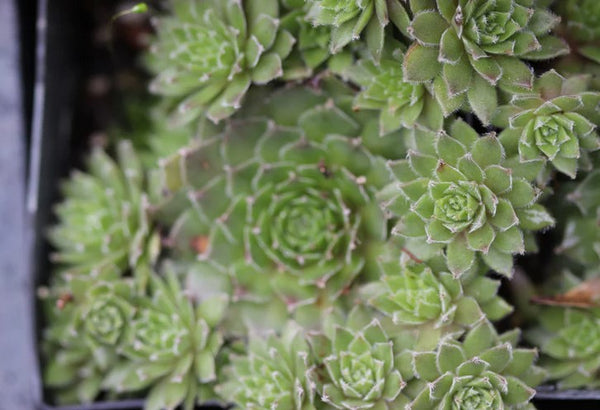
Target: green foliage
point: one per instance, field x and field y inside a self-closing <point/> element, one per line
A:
<point x="568" y="334"/>
<point x="400" y="104"/>
<point x="88" y="316"/>
<point x="152" y="134"/>
<point x="170" y="347"/>
<point x="582" y="18"/>
<point x="208" y="53"/>
<point x="304" y="215"/>
<point x="415" y="295"/>
<point x="298" y="212"/>
<point x="468" y="48"/>
<point x="357" y="367"/>
<point x="273" y="373"/>
<point x="349" y="18"/>
<point x="103" y="221"/>
<point x="581" y="233"/>
<point x="311" y="49"/>
<point x="550" y="123"/>
<point x="455" y="192"/>
<point x="484" y="371"/>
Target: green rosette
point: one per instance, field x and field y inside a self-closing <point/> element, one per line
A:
<point x="455" y="192"/>
<point x="170" y="347"/>
<point x="88" y="319"/>
<point x="554" y="123"/>
<point x="471" y="48"/>
<point x="273" y="373"/>
<point x="278" y="209"/>
<point x="207" y="54"/>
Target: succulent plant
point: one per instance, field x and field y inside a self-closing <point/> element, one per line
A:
<point x="88" y="318"/>
<point x="349" y="18"/>
<point x="484" y="371"/>
<point x="581" y="18"/>
<point x="357" y="365"/>
<point x="414" y="294"/>
<point x="273" y="374"/>
<point x="103" y="220"/>
<point x="568" y="338"/>
<point x="400" y="103"/>
<point x="208" y="53"/>
<point x="455" y="192"/>
<point x="581" y="236"/>
<point x="550" y="124"/>
<point x="170" y="347"/>
<point x="470" y="47"/>
<point x="283" y="196"/>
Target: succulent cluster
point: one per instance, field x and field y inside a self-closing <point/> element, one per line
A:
<point x="471" y="48"/>
<point x="170" y="346"/>
<point x="581" y="232"/>
<point x="349" y="18"/>
<point x="399" y="102"/>
<point x="317" y="208"/>
<point x="580" y="21"/>
<point x="568" y="338"/>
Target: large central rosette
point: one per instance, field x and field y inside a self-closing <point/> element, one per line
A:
<point x="278" y="209"/>
<point x="305" y="222"/>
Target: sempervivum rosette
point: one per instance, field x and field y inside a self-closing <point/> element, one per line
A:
<point x="567" y="331"/>
<point x="103" y="220"/>
<point x="349" y="18"/>
<point x="569" y="339"/>
<point x="282" y="202"/>
<point x="550" y="123"/>
<point x="470" y="47"/>
<point x="400" y="103"/>
<point x="455" y="191"/>
<point x="88" y="319"/>
<point x="358" y="369"/>
<point x="170" y="347"/>
<point x="425" y="296"/>
<point x="272" y="374"/>
<point x="208" y="53"/>
<point x="151" y="133"/>
<point x="483" y="371"/>
<point x="581" y="232"/>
